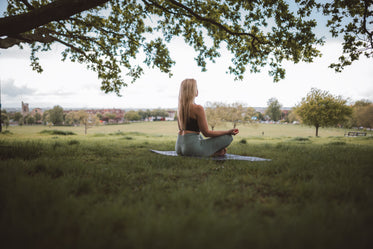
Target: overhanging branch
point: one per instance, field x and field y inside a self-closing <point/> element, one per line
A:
<point x="213" y="22"/>
<point x="39" y="35"/>
<point x="366" y="14"/>
<point x="57" y="10"/>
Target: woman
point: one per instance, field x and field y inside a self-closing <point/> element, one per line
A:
<point x="191" y="121"/>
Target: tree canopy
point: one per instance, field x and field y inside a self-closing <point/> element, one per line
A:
<point x="107" y="35"/>
<point x="321" y="109"/>
<point x="362" y="114"/>
<point x="274" y="109"/>
<point x="55" y="115"/>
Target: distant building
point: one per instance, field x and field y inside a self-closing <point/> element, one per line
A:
<point x="37" y="110"/>
<point x="25" y="109"/>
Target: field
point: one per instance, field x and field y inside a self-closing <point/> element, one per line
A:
<point x="107" y="190"/>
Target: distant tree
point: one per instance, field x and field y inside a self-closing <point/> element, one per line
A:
<point x="321" y="109"/>
<point x="107" y="35"/>
<point x="235" y="113"/>
<point x="17" y="116"/>
<point x="132" y="116"/>
<point x="5" y="119"/>
<point x="87" y="120"/>
<point x="259" y="116"/>
<point x="30" y="120"/>
<point x="159" y="113"/>
<point x="21" y="121"/>
<point x="37" y="117"/>
<point x="72" y="118"/>
<point x="213" y="111"/>
<point x="362" y="103"/>
<point x="100" y="116"/>
<point x="273" y="109"/>
<point x="249" y="113"/>
<point x="357" y="113"/>
<point x="144" y="114"/>
<point x="45" y="117"/>
<point x="110" y="115"/>
<point x="364" y="116"/>
<point x="292" y="116"/>
<point x="56" y="115"/>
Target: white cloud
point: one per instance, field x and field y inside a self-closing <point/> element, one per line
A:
<point x="8" y="88"/>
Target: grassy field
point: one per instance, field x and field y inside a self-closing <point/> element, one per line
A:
<point x="107" y="190"/>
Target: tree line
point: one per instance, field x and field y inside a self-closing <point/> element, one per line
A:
<point x="319" y="109"/>
<point x="57" y="116"/>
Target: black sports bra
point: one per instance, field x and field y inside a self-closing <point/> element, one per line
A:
<point x="192" y="125"/>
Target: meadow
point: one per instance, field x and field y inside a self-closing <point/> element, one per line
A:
<point x="60" y="188"/>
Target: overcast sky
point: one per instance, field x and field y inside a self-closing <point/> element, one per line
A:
<point x="71" y="85"/>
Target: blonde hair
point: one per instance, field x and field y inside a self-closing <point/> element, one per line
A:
<point x="187" y="94"/>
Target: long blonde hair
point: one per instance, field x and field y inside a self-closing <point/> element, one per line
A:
<point x="187" y="94"/>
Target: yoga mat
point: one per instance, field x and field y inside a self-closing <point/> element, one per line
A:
<point x="225" y="157"/>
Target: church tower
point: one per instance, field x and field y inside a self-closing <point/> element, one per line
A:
<point x="25" y="109"/>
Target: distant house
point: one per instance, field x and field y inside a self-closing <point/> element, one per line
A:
<point x="36" y="110"/>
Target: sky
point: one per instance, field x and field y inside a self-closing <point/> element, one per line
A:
<point x="71" y="85"/>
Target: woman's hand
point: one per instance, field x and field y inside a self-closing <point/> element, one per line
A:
<point x="233" y="132"/>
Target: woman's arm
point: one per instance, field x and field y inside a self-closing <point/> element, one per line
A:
<point x="204" y="128"/>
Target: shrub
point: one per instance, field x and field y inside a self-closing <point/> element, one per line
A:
<point x="57" y="132"/>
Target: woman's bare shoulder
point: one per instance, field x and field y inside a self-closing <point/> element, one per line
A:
<point x="198" y="108"/>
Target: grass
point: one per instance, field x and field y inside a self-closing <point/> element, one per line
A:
<point x="107" y="190"/>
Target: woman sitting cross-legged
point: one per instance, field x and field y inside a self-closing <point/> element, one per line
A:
<point x="191" y="121"/>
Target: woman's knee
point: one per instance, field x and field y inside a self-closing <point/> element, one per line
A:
<point x="229" y="138"/>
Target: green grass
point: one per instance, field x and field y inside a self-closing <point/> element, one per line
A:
<point x="107" y="190"/>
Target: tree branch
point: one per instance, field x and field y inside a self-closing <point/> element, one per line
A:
<point x="39" y="36"/>
<point x="211" y="21"/>
<point x="57" y="10"/>
<point x="161" y="7"/>
<point x="369" y="34"/>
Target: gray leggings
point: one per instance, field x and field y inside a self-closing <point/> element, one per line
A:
<point x="195" y="145"/>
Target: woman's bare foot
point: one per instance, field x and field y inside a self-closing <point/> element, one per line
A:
<point x="221" y="152"/>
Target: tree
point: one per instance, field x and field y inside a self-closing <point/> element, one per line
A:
<point x="17" y="116"/>
<point x="214" y="113"/>
<point x="235" y="113"/>
<point x="56" y="115"/>
<point x="45" y="118"/>
<point x="273" y="109"/>
<point x="364" y="116"/>
<point x="249" y="113"/>
<point x="4" y="119"/>
<point x="106" y="35"/>
<point x="132" y="116"/>
<point x="353" y="21"/>
<point x="87" y="119"/>
<point x="292" y="116"/>
<point x="159" y="113"/>
<point x="37" y="117"/>
<point x="358" y="113"/>
<point x="321" y="109"/>
<point x="145" y="114"/>
<point x="30" y="120"/>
